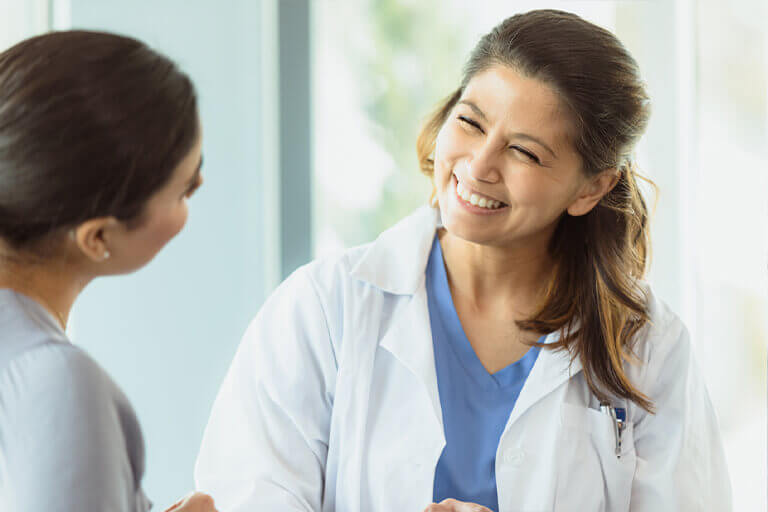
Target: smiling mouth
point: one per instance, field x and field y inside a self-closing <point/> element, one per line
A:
<point x="475" y="199"/>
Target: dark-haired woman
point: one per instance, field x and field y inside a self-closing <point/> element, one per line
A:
<point x="497" y="350"/>
<point x="100" y="148"/>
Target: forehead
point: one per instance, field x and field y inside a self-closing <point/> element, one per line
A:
<point x="520" y="103"/>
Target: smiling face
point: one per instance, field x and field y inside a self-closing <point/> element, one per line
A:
<point x="506" y="147"/>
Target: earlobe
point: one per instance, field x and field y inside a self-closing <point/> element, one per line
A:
<point x="581" y="206"/>
<point x="595" y="189"/>
<point x="92" y="239"/>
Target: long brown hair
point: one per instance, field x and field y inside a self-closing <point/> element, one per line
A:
<point x="594" y="297"/>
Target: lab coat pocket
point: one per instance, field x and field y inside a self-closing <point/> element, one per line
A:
<point x="590" y="474"/>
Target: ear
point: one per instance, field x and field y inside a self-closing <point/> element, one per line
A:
<point x="92" y="237"/>
<point x="593" y="190"/>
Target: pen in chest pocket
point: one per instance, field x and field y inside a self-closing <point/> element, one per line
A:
<point x="619" y="419"/>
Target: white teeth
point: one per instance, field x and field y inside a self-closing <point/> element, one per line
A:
<point x="474" y="199"/>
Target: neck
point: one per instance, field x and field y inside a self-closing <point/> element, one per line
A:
<point x="487" y="277"/>
<point x="51" y="284"/>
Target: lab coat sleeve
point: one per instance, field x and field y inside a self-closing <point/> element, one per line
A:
<point x="680" y="459"/>
<point x="266" y="442"/>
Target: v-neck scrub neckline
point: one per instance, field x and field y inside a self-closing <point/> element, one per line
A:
<point x="475" y="404"/>
<point x="458" y="341"/>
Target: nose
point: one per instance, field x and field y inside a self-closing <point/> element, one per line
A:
<point x="485" y="165"/>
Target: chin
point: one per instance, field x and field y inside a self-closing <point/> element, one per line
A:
<point x="467" y="233"/>
<point x="138" y="263"/>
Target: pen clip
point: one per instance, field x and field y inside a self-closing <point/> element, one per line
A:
<point x="619" y="417"/>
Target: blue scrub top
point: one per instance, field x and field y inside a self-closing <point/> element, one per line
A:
<point x="476" y="404"/>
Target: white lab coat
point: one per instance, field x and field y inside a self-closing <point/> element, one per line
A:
<point x="331" y="404"/>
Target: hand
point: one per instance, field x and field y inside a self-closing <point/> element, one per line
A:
<point x="451" y="505"/>
<point x="195" y="502"/>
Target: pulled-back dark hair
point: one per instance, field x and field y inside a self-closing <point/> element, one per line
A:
<point x="595" y="297"/>
<point x="91" y="124"/>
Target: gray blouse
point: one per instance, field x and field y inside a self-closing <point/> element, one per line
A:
<point x="69" y="438"/>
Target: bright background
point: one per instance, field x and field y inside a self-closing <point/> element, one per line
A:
<point x="311" y="110"/>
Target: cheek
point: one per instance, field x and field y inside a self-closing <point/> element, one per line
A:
<point x="449" y="146"/>
<point x="167" y="225"/>
<point x="176" y="221"/>
<point x="530" y="190"/>
<point x="532" y="187"/>
<point x="450" y="141"/>
<point x="143" y="244"/>
<point x="537" y="201"/>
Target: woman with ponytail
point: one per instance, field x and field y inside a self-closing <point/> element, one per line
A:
<point x="100" y="149"/>
<point x="498" y="349"/>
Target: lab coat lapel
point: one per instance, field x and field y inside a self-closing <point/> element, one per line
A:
<point x="396" y="263"/>
<point x="551" y="370"/>
<point x="409" y="340"/>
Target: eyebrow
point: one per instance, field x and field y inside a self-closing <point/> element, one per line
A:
<point x="518" y="135"/>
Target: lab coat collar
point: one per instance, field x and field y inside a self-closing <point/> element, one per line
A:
<point x="396" y="262"/>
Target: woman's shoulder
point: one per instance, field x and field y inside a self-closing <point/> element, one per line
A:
<point x="58" y="391"/>
<point x="56" y="371"/>
<point x="335" y="267"/>
<point x="63" y="419"/>
<point x="44" y="378"/>
<point x="319" y="289"/>
<point x="664" y="322"/>
<point x="663" y="335"/>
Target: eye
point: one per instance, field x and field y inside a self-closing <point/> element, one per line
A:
<point x="466" y="120"/>
<point x="193" y="187"/>
<point x="527" y="153"/>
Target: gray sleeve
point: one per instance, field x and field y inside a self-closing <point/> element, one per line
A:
<point x="62" y="445"/>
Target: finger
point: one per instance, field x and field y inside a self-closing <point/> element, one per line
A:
<point x="198" y="502"/>
<point x="176" y="505"/>
<point x="462" y="506"/>
<point x="434" y="507"/>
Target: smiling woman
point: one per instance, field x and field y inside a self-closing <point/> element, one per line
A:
<point x="583" y="121"/>
<point x="499" y="350"/>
